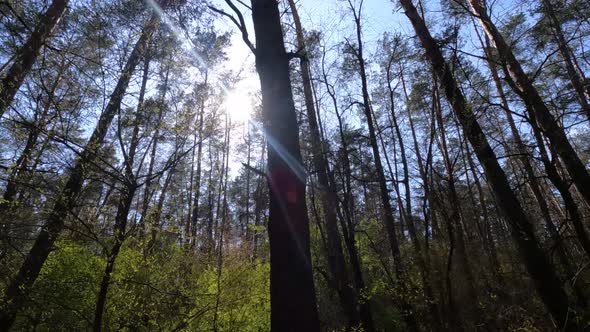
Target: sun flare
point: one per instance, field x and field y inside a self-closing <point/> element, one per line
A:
<point x="238" y="105"/>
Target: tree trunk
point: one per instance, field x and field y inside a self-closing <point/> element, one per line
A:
<point x="125" y="201"/>
<point x="197" y="184"/>
<point x="348" y="224"/>
<point x="526" y="90"/>
<point x="542" y="272"/>
<point x="327" y="194"/>
<point x="423" y="260"/>
<point x="27" y="54"/>
<point x="387" y="210"/>
<point x="36" y="128"/>
<point x="147" y="190"/>
<point x="576" y="77"/>
<point x="20" y="286"/>
<point x="456" y="220"/>
<point x="120" y="234"/>
<point x="293" y="303"/>
<point x="259" y="202"/>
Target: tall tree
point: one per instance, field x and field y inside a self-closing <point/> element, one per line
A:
<point x="538" y="266"/>
<point x="293" y="303"/>
<point x="328" y="198"/>
<point x="387" y="209"/>
<point x="26" y="55"/>
<point x="527" y="91"/>
<point x="20" y="286"/>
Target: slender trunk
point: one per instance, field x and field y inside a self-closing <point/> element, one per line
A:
<point x="387" y="210"/>
<point x="421" y="167"/>
<point x="258" y="208"/>
<point x="405" y="168"/>
<point x="20" y="286"/>
<point x="187" y="225"/>
<point x="327" y="194"/>
<point x="248" y="180"/>
<point x="576" y="77"/>
<point x="488" y="234"/>
<point x="27" y="54"/>
<point x="147" y="190"/>
<point x="223" y="217"/>
<point x="530" y="95"/>
<point x="26" y="163"/>
<point x="209" y="242"/>
<point x="125" y="201"/>
<point x="293" y="303"/>
<point x="119" y="233"/>
<point x="456" y="219"/>
<point x="24" y="159"/>
<point x="348" y="218"/>
<point x="420" y="253"/>
<point x="540" y="269"/>
<point x="197" y="184"/>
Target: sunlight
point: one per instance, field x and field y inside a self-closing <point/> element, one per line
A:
<point x="238" y="105"/>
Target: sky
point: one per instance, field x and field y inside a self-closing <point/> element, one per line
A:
<point x="327" y="15"/>
<point x="330" y="16"/>
<point x="334" y="19"/>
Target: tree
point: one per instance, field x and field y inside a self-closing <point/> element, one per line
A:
<point x="20" y="286"/>
<point x="293" y="305"/>
<point x="25" y="57"/>
<point x="538" y="266"/>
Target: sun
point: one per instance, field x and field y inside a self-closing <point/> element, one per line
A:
<point x="238" y="105"/>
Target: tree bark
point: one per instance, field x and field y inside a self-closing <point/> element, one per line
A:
<point x="527" y="91"/>
<point x="540" y="269"/>
<point x="327" y="194"/>
<point x="293" y="303"/>
<point x="576" y="77"/>
<point x="455" y="219"/>
<point x="27" y="54"/>
<point x="348" y="217"/>
<point x="197" y="184"/>
<point x="387" y="209"/>
<point x="147" y="190"/>
<point x="20" y="286"/>
<point x="124" y="205"/>
<point x="423" y="259"/>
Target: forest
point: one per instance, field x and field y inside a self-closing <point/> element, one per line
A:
<point x="294" y="165"/>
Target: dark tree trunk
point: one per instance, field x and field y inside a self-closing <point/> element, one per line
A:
<point x="293" y="303"/>
<point x="540" y="269"/>
<point x="455" y="218"/>
<point x="119" y="233"/>
<point x="259" y="204"/>
<point x="387" y="209"/>
<point x="576" y="77"/>
<point x="423" y="260"/>
<point x="327" y="194"/>
<point x="125" y="201"/>
<point x="347" y="220"/>
<point x="147" y="190"/>
<point x="36" y="128"/>
<point x="527" y="91"/>
<point x="26" y="55"/>
<point x="19" y="287"/>
<point x="197" y="184"/>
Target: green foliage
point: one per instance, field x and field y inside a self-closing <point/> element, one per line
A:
<point x="171" y="289"/>
<point x="65" y="292"/>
